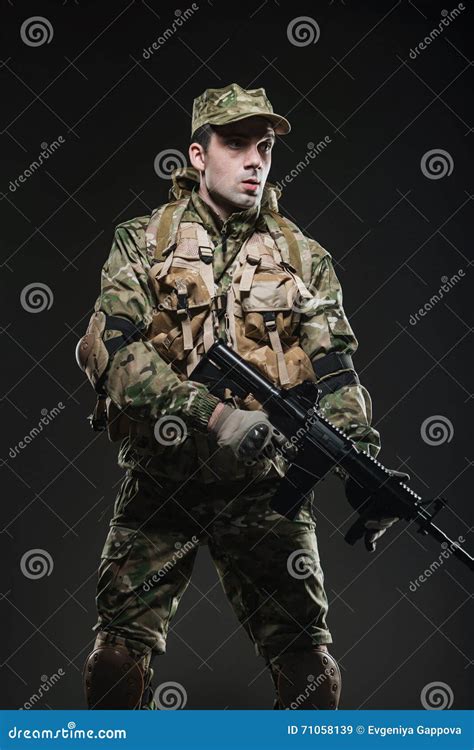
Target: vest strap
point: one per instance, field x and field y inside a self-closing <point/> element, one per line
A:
<point x="294" y="256"/>
<point x="162" y="228"/>
<point x="270" y="325"/>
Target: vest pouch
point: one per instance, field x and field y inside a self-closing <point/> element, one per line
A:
<point x="183" y="303"/>
<point x="264" y="358"/>
<point x="270" y="292"/>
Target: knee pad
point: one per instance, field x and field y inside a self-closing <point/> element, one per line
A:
<point x="113" y="677"/>
<point x="308" y="680"/>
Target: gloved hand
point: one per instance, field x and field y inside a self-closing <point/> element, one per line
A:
<point x="249" y="434"/>
<point x="371" y="524"/>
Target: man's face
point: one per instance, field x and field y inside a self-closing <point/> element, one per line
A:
<point x="235" y="167"/>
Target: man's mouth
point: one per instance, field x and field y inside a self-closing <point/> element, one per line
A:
<point x="251" y="184"/>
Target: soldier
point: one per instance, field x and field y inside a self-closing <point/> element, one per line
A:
<point x="218" y="260"/>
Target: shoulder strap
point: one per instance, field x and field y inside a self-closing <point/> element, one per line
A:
<point x="162" y="228"/>
<point x="291" y="242"/>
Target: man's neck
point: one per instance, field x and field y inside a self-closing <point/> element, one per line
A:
<point x="222" y="211"/>
<point x="238" y="225"/>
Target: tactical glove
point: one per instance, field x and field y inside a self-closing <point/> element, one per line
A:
<point x="371" y="524"/>
<point x="249" y="434"/>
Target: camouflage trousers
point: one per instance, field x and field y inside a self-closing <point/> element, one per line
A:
<point x="268" y="565"/>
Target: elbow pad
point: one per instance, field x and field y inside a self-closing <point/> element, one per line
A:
<point x="93" y="354"/>
<point x="334" y="371"/>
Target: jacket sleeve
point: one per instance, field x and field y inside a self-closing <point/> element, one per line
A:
<point x="137" y="378"/>
<point x="324" y="330"/>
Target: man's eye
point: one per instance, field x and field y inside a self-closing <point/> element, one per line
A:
<point x="234" y="144"/>
<point x="267" y="146"/>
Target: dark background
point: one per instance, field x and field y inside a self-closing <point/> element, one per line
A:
<point x="393" y="233"/>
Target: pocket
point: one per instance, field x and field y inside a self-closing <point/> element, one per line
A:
<point x="265" y="360"/>
<point x="271" y="293"/>
<point x="182" y="301"/>
<point x="339" y="326"/>
<point x="118" y="543"/>
<point x="177" y="279"/>
<point x="114" y="555"/>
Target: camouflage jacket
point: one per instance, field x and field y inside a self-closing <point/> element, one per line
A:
<point x="141" y="382"/>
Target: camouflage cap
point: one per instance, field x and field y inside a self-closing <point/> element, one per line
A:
<point x="233" y="103"/>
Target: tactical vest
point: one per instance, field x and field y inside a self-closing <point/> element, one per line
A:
<point x="259" y="307"/>
<point x="270" y="279"/>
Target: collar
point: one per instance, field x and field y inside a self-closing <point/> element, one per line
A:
<point x="238" y="226"/>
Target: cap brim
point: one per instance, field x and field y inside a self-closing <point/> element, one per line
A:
<point x="280" y="124"/>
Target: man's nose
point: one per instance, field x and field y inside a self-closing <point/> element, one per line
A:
<point x="253" y="158"/>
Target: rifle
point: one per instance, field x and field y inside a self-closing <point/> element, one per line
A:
<point x="320" y="446"/>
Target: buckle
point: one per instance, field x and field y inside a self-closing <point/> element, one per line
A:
<point x="205" y="254"/>
<point x="269" y="318"/>
<point x="253" y="260"/>
<point x="98" y="418"/>
<point x="219" y="304"/>
<point x="182" y="304"/>
<point x="288" y="267"/>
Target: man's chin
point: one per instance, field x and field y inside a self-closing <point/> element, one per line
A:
<point x="238" y="201"/>
<point x="244" y="201"/>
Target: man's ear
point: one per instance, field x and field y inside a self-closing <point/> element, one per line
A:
<point x="196" y="156"/>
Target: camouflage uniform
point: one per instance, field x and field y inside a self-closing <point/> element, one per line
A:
<point x="177" y="496"/>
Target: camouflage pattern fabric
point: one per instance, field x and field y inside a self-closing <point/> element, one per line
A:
<point x="269" y="566"/>
<point x="183" y="492"/>
<point x="140" y="381"/>
<point x="232" y="103"/>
